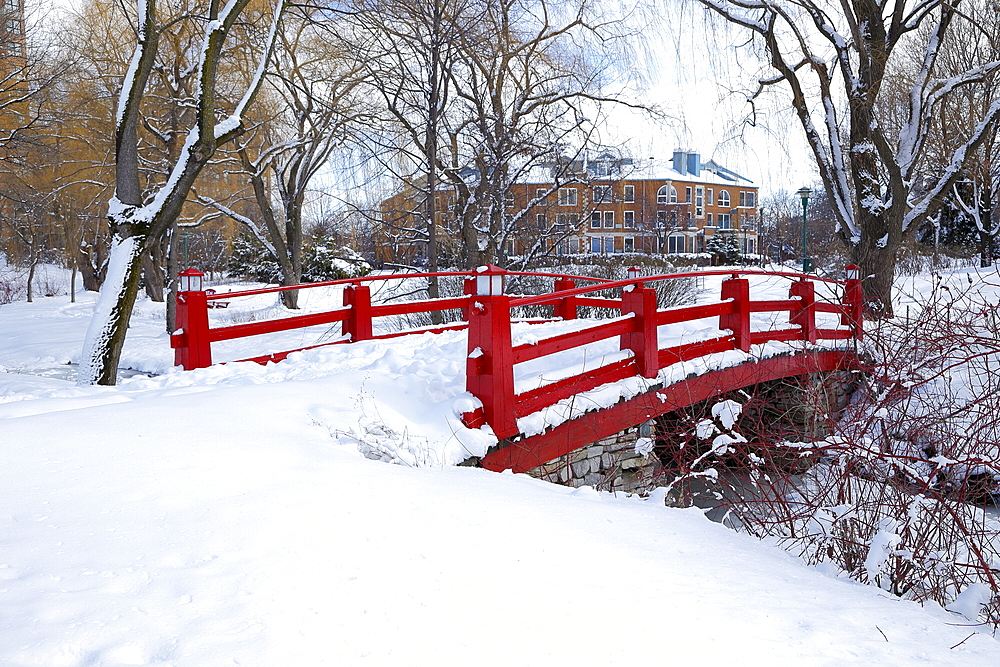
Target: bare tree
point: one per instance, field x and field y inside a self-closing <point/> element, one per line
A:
<point x="514" y="86"/>
<point x="833" y="58"/>
<point x="311" y="87"/>
<point x="139" y="218"/>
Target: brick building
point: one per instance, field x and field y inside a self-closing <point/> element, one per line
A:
<point x="12" y="34"/>
<point x="609" y="205"/>
<point x="649" y="208"/>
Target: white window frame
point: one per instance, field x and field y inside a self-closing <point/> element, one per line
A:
<point x="595" y="220"/>
<point x="628" y="241"/>
<point x="609" y="220"/>
<point x="723" y="199"/>
<point x="708" y="196"/>
<point x="567" y="196"/>
<point x="628" y="220"/>
<point x="628" y="194"/>
<point x="699" y="202"/>
<point x="603" y="194"/>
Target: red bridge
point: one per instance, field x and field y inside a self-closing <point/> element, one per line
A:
<point x="492" y="357"/>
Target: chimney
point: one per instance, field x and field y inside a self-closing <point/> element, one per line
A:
<point x="694" y="164"/>
<point x="680" y="162"/>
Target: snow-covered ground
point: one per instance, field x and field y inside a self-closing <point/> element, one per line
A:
<point x="229" y="516"/>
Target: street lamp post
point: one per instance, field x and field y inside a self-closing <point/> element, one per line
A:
<point x="804" y="194"/>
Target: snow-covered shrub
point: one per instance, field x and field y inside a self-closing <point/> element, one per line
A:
<point x="669" y="293"/>
<point x="895" y="496"/>
<point x="12" y="286"/>
<point x="321" y="260"/>
<point x="725" y="247"/>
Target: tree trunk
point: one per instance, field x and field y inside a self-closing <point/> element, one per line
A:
<point x="985" y="249"/>
<point x="172" y="271"/>
<point x="31" y="279"/>
<point x="106" y="334"/>
<point x="152" y="273"/>
<point x="875" y="253"/>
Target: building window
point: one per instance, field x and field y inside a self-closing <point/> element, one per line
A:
<point x="675" y="244"/>
<point x="699" y="201"/>
<point x="11" y="5"/>
<point x="14" y="26"/>
<point x="673" y="195"/>
<point x="595" y="245"/>
<point x="629" y="194"/>
<point x="629" y="244"/>
<point x="629" y="220"/>
<point x="510" y="247"/>
<point x="751" y="223"/>
<point x="748" y="246"/>
<point x="662" y="194"/>
<point x="687" y="195"/>
<point x="724" y="222"/>
<point x="595" y="220"/>
<point x="708" y="220"/>
<point x="609" y="244"/>
<point x="15" y="49"/>
<point x="609" y="219"/>
<point x="708" y="198"/>
<point x="724" y="198"/>
<point x="602" y="194"/>
<point x="567" y="196"/>
<point x="540" y="193"/>
<point x="540" y="221"/>
<point x="661" y="219"/>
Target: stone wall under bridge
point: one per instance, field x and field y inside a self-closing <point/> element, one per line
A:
<point x="793" y="409"/>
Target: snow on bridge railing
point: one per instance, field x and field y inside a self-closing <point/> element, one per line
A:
<point x="492" y="357"/>
<point x="487" y="311"/>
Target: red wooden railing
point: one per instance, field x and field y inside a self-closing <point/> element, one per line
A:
<point x="490" y="366"/>
<point x="487" y="311"/>
<point x="192" y="343"/>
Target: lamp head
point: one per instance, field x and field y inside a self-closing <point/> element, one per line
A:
<point x="190" y="280"/>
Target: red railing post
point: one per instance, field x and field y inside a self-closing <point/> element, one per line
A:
<point x="852" y="302"/>
<point x="490" y="364"/>
<point x="805" y="316"/>
<point x="192" y="347"/>
<point x="642" y="340"/>
<point x="358" y="324"/>
<point x="737" y="289"/>
<point x="566" y="307"/>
